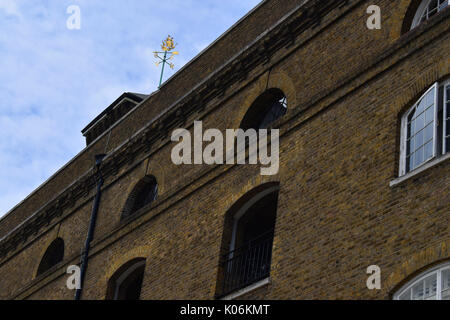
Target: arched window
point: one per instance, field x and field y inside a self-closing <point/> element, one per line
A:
<point x="267" y="108"/>
<point x="427" y="9"/>
<point x="145" y="191"/>
<point x="248" y="238"/>
<point x="425" y="131"/>
<point x="433" y="284"/>
<point x="126" y="283"/>
<point x="52" y="256"/>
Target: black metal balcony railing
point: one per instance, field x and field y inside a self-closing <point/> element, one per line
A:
<point x="247" y="264"/>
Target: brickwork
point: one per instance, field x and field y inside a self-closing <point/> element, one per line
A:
<point x="346" y="87"/>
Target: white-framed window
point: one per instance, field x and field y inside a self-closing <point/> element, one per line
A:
<point x="433" y="284"/>
<point x="427" y="9"/>
<point x="425" y="128"/>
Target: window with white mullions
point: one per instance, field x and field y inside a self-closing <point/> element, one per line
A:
<point x="425" y="133"/>
<point x="420" y="143"/>
<point x="427" y="9"/>
<point x="431" y="285"/>
<point x="446" y="129"/>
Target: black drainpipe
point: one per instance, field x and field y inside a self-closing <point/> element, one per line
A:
<point x="90" y="235"/>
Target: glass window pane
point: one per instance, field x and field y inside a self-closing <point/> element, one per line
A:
<point x="412" y="144"/>
<point x="411" y="163"/>
<point x="447" y="144"/>
<point x="419" y="139"/>
<point x="406" y="295"/>
<point x="428" y="150"/>
<point x="448" y="110"/>
<point x="445" y="275"/>
<point x="430" y="288"/>
<point x="418" y="157"/>
<point x="429" y="115"/>
<point x="420" y="122"/>
<point x="423" y="104"/>
<point x="429" y="98"/>
<point x="417" y="291"/>
<point x="429" y="132"/>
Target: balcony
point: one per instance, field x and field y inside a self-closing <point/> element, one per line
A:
<point x="247" y="264"/>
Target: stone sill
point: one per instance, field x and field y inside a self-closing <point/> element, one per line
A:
<point x="247" y="289"/>
<point x="419" y="170"/>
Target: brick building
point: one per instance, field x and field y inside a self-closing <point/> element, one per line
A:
<point x="363" y="174"/>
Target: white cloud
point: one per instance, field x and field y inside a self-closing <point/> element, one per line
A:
<point x="10" y="8"/>
<point x="54" y="81"/>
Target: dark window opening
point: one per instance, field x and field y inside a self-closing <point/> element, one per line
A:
<point x="52" y="256"/>
<point x="145" y="192"/>
<point x="126" y="283"/>
<point x="267" y="108"/>
<point x="249" y="253"/>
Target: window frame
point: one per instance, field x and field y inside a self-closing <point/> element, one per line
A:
<point x="421" y="10"/>
<point x="243" y="210"/>
<point x="438" y="269"/>
<point x="445" y="116"/>
<point x="125" y="275"/>
<point x="48" y="260"/>
<point x="404" y="129"/>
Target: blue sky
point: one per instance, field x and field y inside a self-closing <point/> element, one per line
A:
<point x="54" y="81"/>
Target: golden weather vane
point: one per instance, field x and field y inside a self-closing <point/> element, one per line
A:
<point x="167" y="46"/>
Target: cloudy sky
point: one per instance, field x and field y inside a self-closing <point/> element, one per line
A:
<point x="54" y="81"/>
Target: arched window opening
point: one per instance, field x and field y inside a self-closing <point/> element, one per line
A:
<point x="425" y="128"/>
<point x="247" y="251"/>
<point x="267" y="108"/>
<point x="126" y="283"/>
<point x="433" y="284"/>
<point x="52" y="256"/>
<point x="145" y="192"/>
<point x="427" y="9"/>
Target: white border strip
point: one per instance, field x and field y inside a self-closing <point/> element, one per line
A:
<point x="420" y="169"/>
<point x="248" y="289"/>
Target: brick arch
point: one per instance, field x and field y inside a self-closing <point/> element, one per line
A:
<point x="53" y="236"/>
<point x="248" y="196"/>
<point x="159" y="172"/>
<point x="129" y="207"/>
<point x="409" y="13"/>
<point x="254" y="183"/>
<point x="120" y="260"/>
<point x="405" y="11"/>
<point x="416" y="264"/>
<point x="237" y="200"/>
<point x="421" y="84"/>
<point x="281" y="80"/>
<point x="274" y="80"/>
<point x="55" y="247"/>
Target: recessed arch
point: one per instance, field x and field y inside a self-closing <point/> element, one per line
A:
<point x="413" y="265"/>
<point x="266" y="109"/>
<point x="143" y="193"/>
<point x="432" y="283"/>
<point x="126" y="282"/>
<point x="247" y="239"/>
<point x="420" y="11"/>
<point x="275" y="79"/>
<point x="52" y="256"/>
